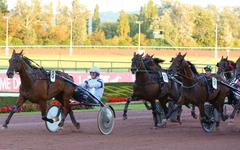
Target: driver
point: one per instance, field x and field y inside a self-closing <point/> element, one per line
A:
<point x="94" y="85"/>
<point x="208" y="70"/>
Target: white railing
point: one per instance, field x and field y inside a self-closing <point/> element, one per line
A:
<point x="113" y="46"/>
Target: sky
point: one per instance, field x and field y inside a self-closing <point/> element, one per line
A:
<point x="133" y="5"/>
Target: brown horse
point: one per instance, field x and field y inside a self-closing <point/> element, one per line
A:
<point x="226" y="68"/>
<point x="145" y="88"/>
<point x="170" y="91"/>
<point x="37" y="88"/>
<point x="195" y="90"/>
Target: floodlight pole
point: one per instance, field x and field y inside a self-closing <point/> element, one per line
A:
<point x="6" y="48"/>
<point x="216" y="37"/>
<point x="139" y="33"/>
<point x="71" y="38"/>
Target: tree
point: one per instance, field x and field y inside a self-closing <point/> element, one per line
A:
<point x="3" y="7"/>
<point x="97" y="37"/>
<point x="133" y="25"/>
<point x="95" y="19"/>
<point x="202" y="34"/>
<point x="123" y="27"/>
<point x="109" y="29"/>
<point x="79" y="17"/>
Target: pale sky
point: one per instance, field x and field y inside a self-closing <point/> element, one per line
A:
<point x="133" y="5"/>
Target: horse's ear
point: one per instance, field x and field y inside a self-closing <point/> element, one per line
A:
<point x="171" y="59"/>
<point x="14" y="51"/>
<point x="152" y="56"/>
<point x="134" y="54"/>
<point x="227" y="58"/>
<point x="21" y="52"/>
<point x="217" y="65"/>
<point x="184" y="55"/>
<point x="222" y="58"/>
<point x="142" y="54"/>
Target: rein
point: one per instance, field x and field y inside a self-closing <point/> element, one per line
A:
<point x="181" y="83"/>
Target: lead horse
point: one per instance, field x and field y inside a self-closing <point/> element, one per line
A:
<point x="37" y="87"/>
<point x="195" y="90"/>
<point x="146" y="88"/>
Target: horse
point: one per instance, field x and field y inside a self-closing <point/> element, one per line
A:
<point x="195" y="90"/>
<point x="171" y="89"/>
<point x="146" y="88"/>
<point x="226" y="68"/>
<point x="37" y="87"/>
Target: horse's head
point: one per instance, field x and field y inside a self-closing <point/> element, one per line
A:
<point x="178" y="64"/>
<point x="152" y="63"/>
<point x="225" y="65"/>
<point x="14" y="64"/>
<point x="137" y="63"/>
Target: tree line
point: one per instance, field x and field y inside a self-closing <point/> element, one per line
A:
<point x="172" y="23"/>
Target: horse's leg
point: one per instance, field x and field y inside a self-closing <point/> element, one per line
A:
<point x="201" y="112"/>
<point x="193" y="112"/>
<point x="146" y="105"/>
<point x="181" y="101"/>
<point x="126" y="107"/>
<point x="43" y="108"/>
<point x="155" y="120"/>
<point x="235" y="108"/>
<point x="20" y="101"/>
<point x="75" y="123"/>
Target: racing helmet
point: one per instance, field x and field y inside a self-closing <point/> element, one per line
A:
<point x="95" y="69"/>
<point x="208" y="67"/>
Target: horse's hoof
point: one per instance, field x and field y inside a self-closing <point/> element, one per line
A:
<point x="173" y="120"/>
<point x="194" y="115"/>
<point x="4" y="127"/>
<point x="124" y="117"/>
<point x="225" y="117"/>
<point x="60" y="124"/>
<point x="230" y="122"/>
<point x="77" y="125"/>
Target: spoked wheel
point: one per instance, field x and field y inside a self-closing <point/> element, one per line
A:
<point x="106" y="120"/>
<point x="208" y="123"/>
<point x="208" y="126"/>
<point x="55" y="113"/>
<point x="161" y="118"/>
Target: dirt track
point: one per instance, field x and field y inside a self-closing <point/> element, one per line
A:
<point x="27" y="132"/>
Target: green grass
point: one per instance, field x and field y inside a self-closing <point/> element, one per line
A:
<point x="120" y="107"/>
<point x="117" y="90"/>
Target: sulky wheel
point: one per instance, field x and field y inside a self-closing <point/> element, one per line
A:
<point x="106" y="120"/>
<point x="208" y="123"/>
<point x="55" y="113"/>
<point x="208" y="126"/>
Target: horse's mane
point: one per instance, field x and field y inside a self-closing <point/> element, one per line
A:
<point x="29" y="62"/>
<point x="192" y="67"/>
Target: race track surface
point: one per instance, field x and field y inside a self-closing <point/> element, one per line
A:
<point x="28" y="132"/>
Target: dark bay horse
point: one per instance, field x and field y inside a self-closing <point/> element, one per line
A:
<point x="145" y="88"/>
<point x="195" y="90"/>
<point x="37" y="87"/>
<point x="170" y="91"/>
<point x="226" y="68"/>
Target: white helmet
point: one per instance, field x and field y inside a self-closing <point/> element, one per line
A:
<point x="95" y="69"/>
